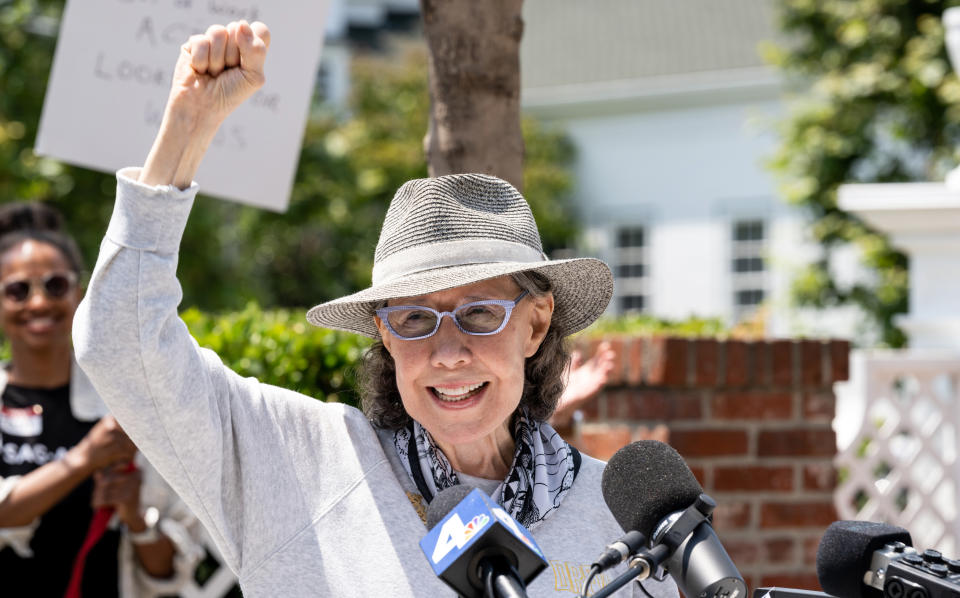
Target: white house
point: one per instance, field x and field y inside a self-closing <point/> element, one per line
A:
<point x="671" y="108"/>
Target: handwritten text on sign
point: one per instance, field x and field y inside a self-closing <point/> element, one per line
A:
<point x="111" y="77"/>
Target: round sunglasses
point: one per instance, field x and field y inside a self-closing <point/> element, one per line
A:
<point x="55" y="285"/>
<point x="480" y="318"/>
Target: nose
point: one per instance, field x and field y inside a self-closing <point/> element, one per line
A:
<point x="448" y="346"/>
<point x="36" y="299"/>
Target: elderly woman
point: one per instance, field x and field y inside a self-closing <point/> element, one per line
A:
<point x="312" y="499"/>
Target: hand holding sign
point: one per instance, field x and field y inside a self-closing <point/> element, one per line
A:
<point x="216" y="72"/>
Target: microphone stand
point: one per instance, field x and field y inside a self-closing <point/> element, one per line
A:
<point x="498" y="584"/>
<point x="641" y="567"/>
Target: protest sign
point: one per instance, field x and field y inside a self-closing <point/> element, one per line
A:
<point x="111" y="77"/>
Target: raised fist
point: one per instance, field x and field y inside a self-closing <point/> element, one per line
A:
<point x="217" y="71"/>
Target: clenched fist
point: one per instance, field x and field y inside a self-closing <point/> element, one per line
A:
<point x="218" y="70"/>
<point x="215" y="73"/>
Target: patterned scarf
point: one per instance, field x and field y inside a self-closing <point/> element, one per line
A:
<point x="544" y="467"/>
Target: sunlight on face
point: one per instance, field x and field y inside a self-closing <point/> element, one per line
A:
<point x="464" y="388"/>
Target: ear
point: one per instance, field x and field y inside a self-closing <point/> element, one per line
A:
<point x="385" y="337"/>
<point x="541" y="314"/>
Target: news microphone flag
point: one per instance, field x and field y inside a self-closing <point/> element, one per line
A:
<point x="475" y="527"/>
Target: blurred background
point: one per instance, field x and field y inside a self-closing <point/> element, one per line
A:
<point x="759" y="174"/>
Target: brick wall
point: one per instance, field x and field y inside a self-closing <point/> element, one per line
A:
<point x="753" y="421"/>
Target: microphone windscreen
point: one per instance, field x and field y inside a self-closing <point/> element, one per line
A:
<point x="646" y="481"/>
<point x="444" y="502"/>
<point x="845" y="553"/>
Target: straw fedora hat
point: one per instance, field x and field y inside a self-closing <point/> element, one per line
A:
<point x="454" y="230"/>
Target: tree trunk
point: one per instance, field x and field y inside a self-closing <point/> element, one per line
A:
<point x="474" y="61"/>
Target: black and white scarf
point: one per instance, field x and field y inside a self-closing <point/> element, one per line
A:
<point x="544" y="467"/>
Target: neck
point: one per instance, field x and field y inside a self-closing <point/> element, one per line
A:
<point x="489" y="457"/>
<point x="47" y="368"/>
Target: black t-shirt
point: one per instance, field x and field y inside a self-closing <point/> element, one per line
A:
<point x="36" y="427"/>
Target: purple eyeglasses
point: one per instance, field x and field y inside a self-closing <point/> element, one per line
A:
<point x="480" y="318"/>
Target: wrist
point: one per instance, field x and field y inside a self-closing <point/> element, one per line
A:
<point x="135" y="522"/>
<point x="189" y="125"/>
<point x="78" y="459"/>
<point x="182" y="141"/>
<point x="144" y="529"/>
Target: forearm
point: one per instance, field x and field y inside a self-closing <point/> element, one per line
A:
<point x="38" y="491"/>
<point x="156" y="558"/>
<point x="178" y="150"/>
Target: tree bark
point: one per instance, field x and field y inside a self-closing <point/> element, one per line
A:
<point x="474" y="67"/>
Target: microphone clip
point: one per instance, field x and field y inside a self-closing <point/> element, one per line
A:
<point x="668" y="536"/>
<point x="672" y="532"/>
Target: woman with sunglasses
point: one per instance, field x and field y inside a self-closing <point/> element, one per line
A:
<point x="62" y="458"/>
<point x="313" y="499"/>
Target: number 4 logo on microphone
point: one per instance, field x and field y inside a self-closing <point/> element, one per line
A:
<point x="454" y="534"/>
<point x="451" y="536"/>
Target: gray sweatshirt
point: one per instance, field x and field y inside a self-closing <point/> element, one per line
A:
<point x="302" y="498"/>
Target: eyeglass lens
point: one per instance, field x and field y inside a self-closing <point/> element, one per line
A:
<point x="475" y="317"/>
<point x="54" y="286"/>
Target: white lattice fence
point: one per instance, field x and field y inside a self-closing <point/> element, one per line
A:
<point x="902" y="466"/>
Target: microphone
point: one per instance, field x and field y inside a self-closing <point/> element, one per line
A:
<point x="649" y="489"/>
<point x="477" y="548"/>
<point x="847" y="551"/>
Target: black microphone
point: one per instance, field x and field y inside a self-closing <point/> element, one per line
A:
<point x="649" y="489"/>
<point x="846" y="552"/>
<point x="845" y="558"/>
<point x="477" y="548"/>
<point x="863" y="559"/>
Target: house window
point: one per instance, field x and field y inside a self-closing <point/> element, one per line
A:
<point x="748" y="230"/>
<point x="630" y="269"/>
<point x="748" y="267"/>
<point x="750" y="297"/>
<point x="631" y="303"/>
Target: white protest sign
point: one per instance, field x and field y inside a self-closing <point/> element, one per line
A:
<point x="111" y="76"/>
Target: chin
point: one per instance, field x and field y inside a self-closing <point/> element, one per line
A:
<point x="457" y="433"/>
<point x="39" y="342"/>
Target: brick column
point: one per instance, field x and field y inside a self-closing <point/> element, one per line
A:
<point x="753" y="420"/>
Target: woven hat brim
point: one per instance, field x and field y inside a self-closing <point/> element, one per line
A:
<point x="582" y="288"/>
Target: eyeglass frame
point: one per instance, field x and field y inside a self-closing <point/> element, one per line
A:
<point x="35" y="282"/>
<point x="508" y="305"/>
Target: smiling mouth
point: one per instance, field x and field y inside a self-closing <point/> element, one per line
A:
<point x="41" y="323"/>
<point x="460" y="393"/>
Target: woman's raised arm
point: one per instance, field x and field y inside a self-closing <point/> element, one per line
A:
<point x="193" y="418"/>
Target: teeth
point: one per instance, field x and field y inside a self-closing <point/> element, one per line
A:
<point x="458" y="393"/>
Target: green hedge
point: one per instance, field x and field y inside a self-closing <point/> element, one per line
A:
<point x="279" y="347"/>
<point x="634" y="324"/>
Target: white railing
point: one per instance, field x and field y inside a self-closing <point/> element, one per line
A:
<point x="898" y="421"/>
